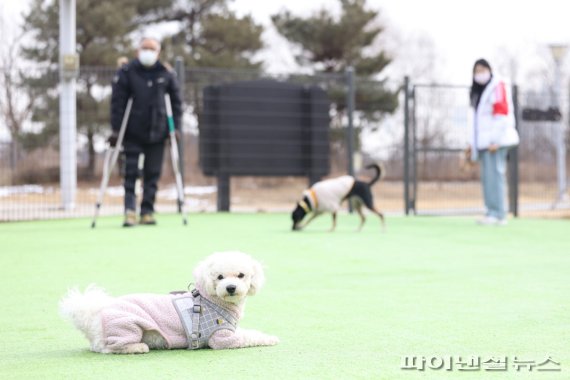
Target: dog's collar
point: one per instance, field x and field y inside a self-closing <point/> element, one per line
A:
<point x="313" y="196"/>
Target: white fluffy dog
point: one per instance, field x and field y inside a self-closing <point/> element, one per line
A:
<point x="205" y="317"/>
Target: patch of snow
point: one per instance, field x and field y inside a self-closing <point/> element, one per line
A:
<point x="6" y="191"/>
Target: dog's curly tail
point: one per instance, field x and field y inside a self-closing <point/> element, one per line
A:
<point x="379" y="173"/>
<point x="82" y="308"/>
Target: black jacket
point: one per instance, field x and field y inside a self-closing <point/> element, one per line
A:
<point x="147" y="86"/>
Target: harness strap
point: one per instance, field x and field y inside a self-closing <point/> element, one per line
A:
<point x="201" y="317"/>
<point x="183" y="306"/>
<point x="314" y="198"/>
<point x="305" y="206"/>
<point x="196" y="311"/>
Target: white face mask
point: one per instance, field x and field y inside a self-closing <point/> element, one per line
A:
<point x="148" y="57"/>
<point x="482" y="77"/>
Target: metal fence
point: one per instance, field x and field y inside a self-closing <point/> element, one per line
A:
<point x="29" y="164"/>
<point x="438" y="180"/>
<point x="420" y="147"/>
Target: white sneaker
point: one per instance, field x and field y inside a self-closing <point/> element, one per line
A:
<point x="488" y="221"/>
<point x="492" y="221"/>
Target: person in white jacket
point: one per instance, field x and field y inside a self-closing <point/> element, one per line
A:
<point x="493" y="134"/>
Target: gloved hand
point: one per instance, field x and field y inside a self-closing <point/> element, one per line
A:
<point x="112" y="140"/>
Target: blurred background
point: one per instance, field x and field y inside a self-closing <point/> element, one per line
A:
<point x="396" y="75"/>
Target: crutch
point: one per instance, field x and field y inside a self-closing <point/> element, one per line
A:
<point x="111" y="156"/>
<point x="175" y="158"/>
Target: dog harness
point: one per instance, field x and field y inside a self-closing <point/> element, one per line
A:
<point x="314" y="198"/>
<point x="201" y="318"/>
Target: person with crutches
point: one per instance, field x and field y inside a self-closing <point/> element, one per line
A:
<point x="146" y="80"/>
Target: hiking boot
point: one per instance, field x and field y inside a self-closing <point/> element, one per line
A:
<point x="130" y="218"/>
<point x="147" y="219"/>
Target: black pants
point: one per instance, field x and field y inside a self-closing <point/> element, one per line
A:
<point x="153" y="156"/>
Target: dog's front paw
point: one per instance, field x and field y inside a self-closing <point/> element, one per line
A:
<point x="271" y="340"/>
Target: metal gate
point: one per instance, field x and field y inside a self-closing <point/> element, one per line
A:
<point x="437" y="178"/>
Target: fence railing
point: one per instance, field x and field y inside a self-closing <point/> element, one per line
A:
<point x="423" y="161"/>
<point x="29" y="154"/>
<point x="437" y="178"/>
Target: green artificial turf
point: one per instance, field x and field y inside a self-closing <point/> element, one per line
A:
<point x="344" y="304"/>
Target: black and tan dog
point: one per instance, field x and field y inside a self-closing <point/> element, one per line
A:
<point x="328" y="195"/>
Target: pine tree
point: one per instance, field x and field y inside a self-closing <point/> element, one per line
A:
<point x="330" y="44"/>
<point x="103" y="34"/>
<point x="210" y="35"/>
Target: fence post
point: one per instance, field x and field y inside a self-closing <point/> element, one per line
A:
<point x="350" y="129"/>
<point x="224" y="146"/>
<point x="223" y="192"/>
<point x="350" y="114"/>
<point x="181" y="77"/>
<point x="514" y="161"/>
<point x="414" y="151"/>
<point x="406" y="145"/>
<point x="69" y="69"/>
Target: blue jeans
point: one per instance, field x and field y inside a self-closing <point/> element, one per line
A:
<point x="493" y="173"/>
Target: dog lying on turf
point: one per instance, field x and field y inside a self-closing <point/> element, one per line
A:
<point x="204" y="317"/>
<point x="327" y="196"/>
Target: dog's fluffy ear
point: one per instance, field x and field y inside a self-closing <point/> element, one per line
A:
<point x="203" y="277"/>
<point x="258" y="278"/>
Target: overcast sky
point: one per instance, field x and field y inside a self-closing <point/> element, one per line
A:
<point x="461" y="31"/>
<point x="458" y="32"/>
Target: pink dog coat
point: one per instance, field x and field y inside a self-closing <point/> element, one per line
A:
<point x="126" y="319"/>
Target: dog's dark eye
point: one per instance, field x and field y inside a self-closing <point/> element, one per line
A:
<point x="220" y="277"/>
<point x="241" y="275"/>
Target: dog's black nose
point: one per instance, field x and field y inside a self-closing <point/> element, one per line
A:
<point x="231" y="289"/>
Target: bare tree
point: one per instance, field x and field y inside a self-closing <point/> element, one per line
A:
<point x="415" y="56"/>
<point x="15" y="106"/>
